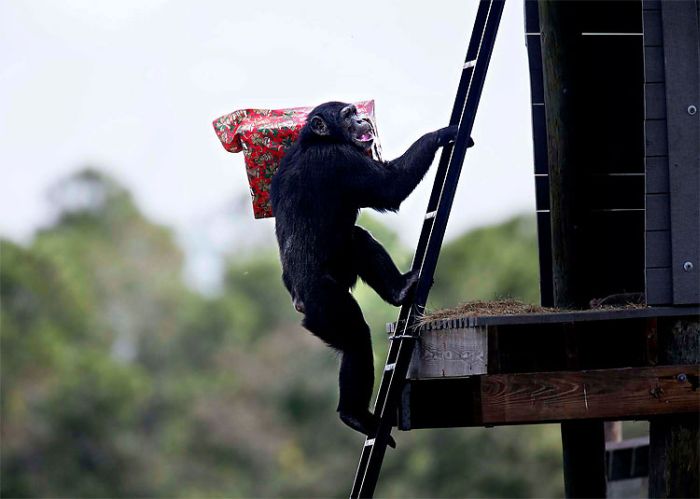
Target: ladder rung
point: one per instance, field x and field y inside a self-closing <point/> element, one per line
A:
<point x="430" y="214"/>
<point x="389" y="367"/>
<point x="369" y="442"/>
<point x="403" y="337"/>
<point x="470" y="64"/>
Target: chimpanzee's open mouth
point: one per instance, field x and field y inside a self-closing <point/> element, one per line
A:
<point x="365" y="137"/>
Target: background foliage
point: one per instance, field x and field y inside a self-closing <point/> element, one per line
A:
<point x="119" y="381"/>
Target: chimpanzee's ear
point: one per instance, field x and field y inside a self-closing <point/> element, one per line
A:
<point x="319" y="126"/>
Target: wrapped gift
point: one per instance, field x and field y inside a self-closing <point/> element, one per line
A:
<point x="264" y="135"/>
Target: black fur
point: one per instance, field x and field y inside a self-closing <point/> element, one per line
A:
<point x="323" y="181"/>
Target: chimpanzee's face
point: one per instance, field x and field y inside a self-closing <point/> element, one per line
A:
<point x="357" y="130"/>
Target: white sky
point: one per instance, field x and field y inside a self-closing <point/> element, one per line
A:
<point x="131" y="87"/>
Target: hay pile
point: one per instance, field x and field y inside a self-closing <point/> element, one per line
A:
<point x="510" y="307"/>
<point x="486" y="308"/>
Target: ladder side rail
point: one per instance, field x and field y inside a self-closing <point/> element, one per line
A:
<point x="456" y="115"/>
<point x="400" y="354"/>
<point x="458" y="106"/>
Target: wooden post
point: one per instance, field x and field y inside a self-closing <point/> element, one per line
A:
<point x="583" y="442"/>
<point x="613" y="431"/>
<point x="558" y="25"/>
<point x="674" y="441"/>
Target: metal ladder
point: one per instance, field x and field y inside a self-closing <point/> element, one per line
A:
<point x="481" y="44"/>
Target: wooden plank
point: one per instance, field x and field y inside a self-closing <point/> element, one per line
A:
<point x="652" y="28"/>
<point x="510" y="399"/>
<point x="651" y="4"/>
<point x="657" y="174"/>
<point x="539" y="132"/>
<point x="572" y="316"/>
<point x="659" y="288"/>
<point x="611" y="103"/>
<point x="606" y="394"/>
<point x="457" y="352"/>
<point x="682" y="68"/>
<point x="654" y="101"/>
<point x="610" y="16"/>
<point x="653" y="64"/>
<point x="536" y="85"/>
<point x="542" y="192"/>
<point x="658" y="244"/>
<point x="544" y="242"/>
<point x="532" y="17"/>
<point x="534" y="53"/>
<point x="657" y="212"/>
<point x="615" y="252"/>
<point x="617" y="191"/>
<point x="655" y="133"/>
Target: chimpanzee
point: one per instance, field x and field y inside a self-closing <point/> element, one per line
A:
<point x="324" y="179"/>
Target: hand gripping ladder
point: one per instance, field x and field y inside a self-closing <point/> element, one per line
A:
<point x="481" y="44"/>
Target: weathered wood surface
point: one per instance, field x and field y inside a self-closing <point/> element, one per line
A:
<point x="674" y="440"/>
<point x="444" y="353"/>
<point x="538" y="397"/>
<point x="507" y="399"/>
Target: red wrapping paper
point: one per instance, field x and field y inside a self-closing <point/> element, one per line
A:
<point x="264" y="135"/>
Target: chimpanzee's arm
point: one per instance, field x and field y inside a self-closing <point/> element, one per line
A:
<point x="384" y="186"/>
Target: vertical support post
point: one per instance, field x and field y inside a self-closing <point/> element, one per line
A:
<point x="583" y="441"/>
<point x="560" y="46"/>
<point x="584" y="458"/>
<point x="613" y="431"/>
<point x="674" y="441"/>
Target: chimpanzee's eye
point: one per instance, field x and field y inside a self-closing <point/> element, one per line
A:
<point x="348" y="111"/>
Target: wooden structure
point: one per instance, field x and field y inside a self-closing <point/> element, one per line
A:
<point x="615" y="97"/>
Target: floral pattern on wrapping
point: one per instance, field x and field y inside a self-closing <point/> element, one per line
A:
<point x="264" y="135"/>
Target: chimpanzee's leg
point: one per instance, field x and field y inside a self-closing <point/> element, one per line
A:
<point x="334" y="316"/>
<point x="375" y="267"/>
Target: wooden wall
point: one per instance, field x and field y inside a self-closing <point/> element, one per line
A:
<point x="587" y="89"/>
<point x="672" y="149"/>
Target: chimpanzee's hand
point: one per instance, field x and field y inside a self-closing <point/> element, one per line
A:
<point x="446" y="135"/>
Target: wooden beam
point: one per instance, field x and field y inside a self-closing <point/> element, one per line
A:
<point x="600" y="394"/>
<point x="508" y="399"/>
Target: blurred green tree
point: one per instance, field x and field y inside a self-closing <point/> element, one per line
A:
<point x="119" y="381"/>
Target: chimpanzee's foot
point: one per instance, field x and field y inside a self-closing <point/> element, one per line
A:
<point x="405" y="294"/>
<point x="365" y="423"/>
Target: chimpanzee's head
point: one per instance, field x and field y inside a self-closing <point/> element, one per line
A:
<point x="338" y="121"/>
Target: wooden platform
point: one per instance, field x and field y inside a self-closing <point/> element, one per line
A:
<point x="541" y="342"/>
<point x="551" y="367"/>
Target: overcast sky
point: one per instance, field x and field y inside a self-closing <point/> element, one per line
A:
<point x="131" y="87"/>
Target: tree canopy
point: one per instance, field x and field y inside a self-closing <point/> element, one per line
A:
<point x="120" y="381"/>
